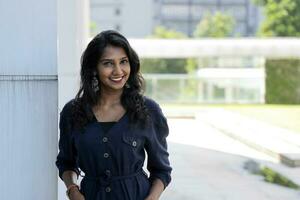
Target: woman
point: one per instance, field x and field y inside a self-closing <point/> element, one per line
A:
<point x="107" y="128"/>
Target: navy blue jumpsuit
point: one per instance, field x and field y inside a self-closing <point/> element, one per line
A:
<point x="112" y="162"/>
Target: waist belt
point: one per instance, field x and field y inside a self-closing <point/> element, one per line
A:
<point x="105" y="180"/>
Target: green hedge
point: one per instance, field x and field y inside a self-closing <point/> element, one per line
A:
<point x="163" y="65"/>
<point x="283" y="81"/>
<point x="272" y="176"/>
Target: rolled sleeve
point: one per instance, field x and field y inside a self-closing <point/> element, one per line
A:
<point x="67" y="157"/>
<point x="158" y="157"/>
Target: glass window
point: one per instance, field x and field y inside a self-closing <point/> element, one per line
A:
<point x="232" y="2"/>
<point x="117" y="11"/>
<point x="205" y="1"/>
<point x="198" y="11"/>
<point x="238" y="12"/>
<point x="175" y="11"/>
<point x="174" y="1"/>
<point x="240" y="29"/>
<point x="182" y="26"/>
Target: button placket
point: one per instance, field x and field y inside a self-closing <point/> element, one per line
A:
<point x="106" y="155"/>
<point x="104" y="139"/>
<point x="107" y="173"/>
<point x="107" y="189"/>
<point x="134" y="143"/>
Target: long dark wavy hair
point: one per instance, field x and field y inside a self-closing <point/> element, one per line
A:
<point x="132" y="97"/>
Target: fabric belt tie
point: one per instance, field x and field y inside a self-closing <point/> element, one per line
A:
<point x="106" y="180"/>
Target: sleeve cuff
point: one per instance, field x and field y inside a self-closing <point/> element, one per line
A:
<point x="166" y="179"/>
<point x="61" y="171"/>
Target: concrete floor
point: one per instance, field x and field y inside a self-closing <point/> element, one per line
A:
<point x="208" y="165"/>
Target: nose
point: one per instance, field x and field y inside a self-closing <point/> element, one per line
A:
<point x="117" y="70"/>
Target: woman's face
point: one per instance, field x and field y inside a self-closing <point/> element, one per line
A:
<point x="113" y="69"/>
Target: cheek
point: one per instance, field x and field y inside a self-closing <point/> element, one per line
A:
<point x="128" y="69"/>
<point x="103" y="74"/>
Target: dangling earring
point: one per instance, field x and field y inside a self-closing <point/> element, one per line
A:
<point x="127" y="85"/>
<point x="95" y="82"/>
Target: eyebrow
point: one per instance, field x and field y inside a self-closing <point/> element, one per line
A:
<point x="107" y="59"/>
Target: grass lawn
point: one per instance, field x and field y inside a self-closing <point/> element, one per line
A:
<point x="285" y="116"/>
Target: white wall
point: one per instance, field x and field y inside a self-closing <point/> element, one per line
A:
<point x="73" y="32"/>
<point x="41" y="43"/>
<point x="28" y="101"/>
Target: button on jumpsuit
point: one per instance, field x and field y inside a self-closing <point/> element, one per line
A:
<point x="112" y="162"/>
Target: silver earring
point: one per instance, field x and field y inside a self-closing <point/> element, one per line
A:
<point x="127" y="85"/>
<point x="95" y="82"/>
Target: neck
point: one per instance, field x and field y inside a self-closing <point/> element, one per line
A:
<point x="110" y="98"/>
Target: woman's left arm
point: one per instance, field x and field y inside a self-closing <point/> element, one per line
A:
<point x="156" y="189"/>
<point x="158" y="157"/>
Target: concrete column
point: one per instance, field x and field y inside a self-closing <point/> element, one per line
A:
<point x="210" y="92"/>
<point x="28" y="100"/>
<point x="200" y="91"/>
<point x="154" y="88"/>
<point x="182" y="88"/>
<point x="41" y="42"/>
<point x="73" y="36"/>
<point x="229" y="93"/>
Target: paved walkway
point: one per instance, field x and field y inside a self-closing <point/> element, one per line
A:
<point x="208" y="165"/>
<point x="280" y="143"/>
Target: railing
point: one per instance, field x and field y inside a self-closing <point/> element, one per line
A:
<point x="209" y="86"/>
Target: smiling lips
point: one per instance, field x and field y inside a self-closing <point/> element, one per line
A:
<point x="117" y="79"/>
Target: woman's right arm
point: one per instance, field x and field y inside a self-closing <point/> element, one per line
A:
<point x="66" y="158"/>
<point x="70" y="178"/>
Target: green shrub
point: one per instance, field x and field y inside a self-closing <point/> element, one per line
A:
<point x="274" y="177"/>
<point x="163" y="65"/>
<point x="283" y="81"/>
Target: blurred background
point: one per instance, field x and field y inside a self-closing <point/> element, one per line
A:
<point x="225" y="72"/>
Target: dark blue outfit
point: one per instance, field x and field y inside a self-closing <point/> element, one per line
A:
<point x="112" y="160"/>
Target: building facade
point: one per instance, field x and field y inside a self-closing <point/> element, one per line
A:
<point x="137" y="18"/>
<point x="184" y="15"/>
<point x="133" y="18"/>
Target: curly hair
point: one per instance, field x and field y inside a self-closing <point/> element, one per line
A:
<point x="132" y="97"/>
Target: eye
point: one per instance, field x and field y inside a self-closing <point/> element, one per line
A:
<point x="107" y="64"/>
<point x="123" y="62"/>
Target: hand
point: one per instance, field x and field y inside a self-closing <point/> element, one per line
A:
<point x="76" y="195"/>
<point x="150" y="198"/>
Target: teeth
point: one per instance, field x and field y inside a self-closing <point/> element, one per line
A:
<point x="116" y="79"/>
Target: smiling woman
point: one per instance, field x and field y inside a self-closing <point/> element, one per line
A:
<point x="106" y="129"/>
<point x="113" y="68"/>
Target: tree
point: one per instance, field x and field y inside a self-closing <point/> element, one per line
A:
<point x="260" y="2"/>
<point x="93" y="28"/>
<point x="163" y="32"/>
<point x="162" y="65"/>
<point x="282" y="18"/>
<point x="217" y="25"/>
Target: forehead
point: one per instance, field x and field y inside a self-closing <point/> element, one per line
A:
<point x="111" y="52"/>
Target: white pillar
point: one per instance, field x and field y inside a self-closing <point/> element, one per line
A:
<point x="200" y="92"/>
<point x="41" y="42"/>
<point x="28" y="100"/>
<point x="210" y="93"/>
<point x="73" y="35"/>
<point x="229" y="93"/>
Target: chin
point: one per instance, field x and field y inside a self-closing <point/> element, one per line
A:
<point x="121" y="87"/>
